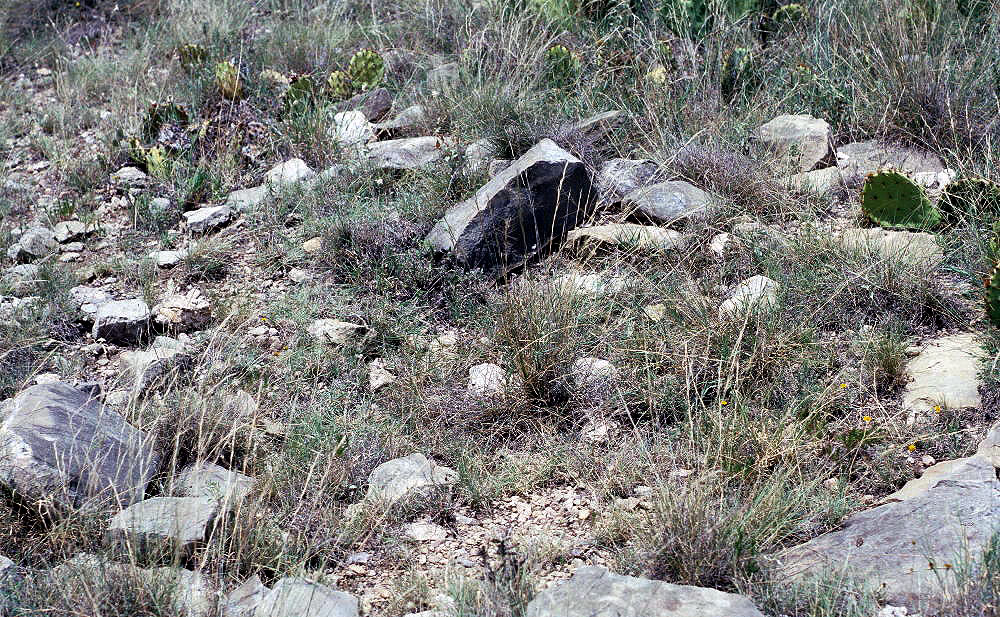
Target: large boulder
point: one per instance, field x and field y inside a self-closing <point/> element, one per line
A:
<point x="668" y="202"/>
<point x="519" y="213"/>
<point x="595" y="592"/>
<point x="58" y="444"/>
<point x="297" y="597"/>
<point x="403" y="477"/>
<point x="911" y="547"/>
<point x="802" y="143"/>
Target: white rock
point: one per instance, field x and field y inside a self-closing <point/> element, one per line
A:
<point x="351" y="129"/>
<point x="169" y="259"/>
<point x="756" y="292"/>
<point x="408" y="153"/>
<point x="297" y="597"/>
<point x="130" y="177"/>
<point x="207" y="219"/>
<point x="425" y="531"/>
<point x="402" y="477"/>
<point x="183" y="312"/>
<point x="487" y="379"/>
<point x="336" y="332"/>
<point x="290" y="172"/>
<point x="378" y="375"/>
<point x="179" y="521"/>
<point x="248" y="199"/>
<point x="123" y="321"/>
<point x="65" y="231"/>
<point x="803" y="142"/>
<point x="916" y="248"/>
<point x="591" y="373"/>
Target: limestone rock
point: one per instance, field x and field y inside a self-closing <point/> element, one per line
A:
<point x="945" y="373"/>
<point x="803" y="143"/>
<point x="23" y="278"/>
<point x="130" y="177"/>
<point x="595" y="592"/>
<point x="89" y="299"/>
<point x="443" y="78"/>
<point x="478" y="155"/>
<point x="183" y="312"/>
<point x="425" y="531"/>
<point x="627" y="235"/>
<point x="351" y="129"/>
<point x="407" y="153"/>
<point x="487" y="379"/>
<point x="402" y="477"/>
<point x="247" y="199"/>
<point x="34" y="243"/>
<point x="178" y="522"/>
<point x="817" y="181"/>
<point x="669" y="202"/>
<point x="408" y="118"/>
<point x="288" y="173"/>
<point x="617" y="178"/>
<point x="242" y="601"/>
<point x="599" y="125"/>
<point x="122" y="321"/>
<point x="209" y="481"/>
<point x="520" y="212"/>
<point x="169" y="259"/>
<point x="917" y="248"/>
<point x="58" y="444"/>
<point x="65" y="231"/>
<point x="297" y="597"/>
<point x="912" y="547"/>
<point x="378" y="375"/>
<point x="593" y="374"/>
<point x="336" y="332"/>
<point x="856" y="160"/>
<point x="147" y="367"/>
<point x="204" y="220"/>
<point x="756" y="292"/>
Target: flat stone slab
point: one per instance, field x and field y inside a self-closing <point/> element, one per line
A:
<point x="399" y="478"/>
<point x="407" y="153"/>
<point x="911" y="546"/>
<point x="58" y="444"/>
<point x="595" y="592"/>
<point x="297" y="597"/>
<point x="945" y="373"/>
<point x="177" y="521"/>
<point x="629" y="235"/>
<point x="913" y="247"/>
<point x="802" y="142"/>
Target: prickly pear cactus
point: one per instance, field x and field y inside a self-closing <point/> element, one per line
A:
<point x="562" y="66"/>
<point x="227" y="79"/>
<point x="993" y="295"/>
<point x="970" y="197"/>
<point x="300" y="95"/>
<point x="789" y="14"/>
<point x="737" y="72"/>
<point x="338" y="86"/>
<point x="891" y="199"/>
<point x="366" y="69"/>
<point x="191" y="56"/>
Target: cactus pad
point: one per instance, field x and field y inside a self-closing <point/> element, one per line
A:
<point x="789" y="14"/>
<point x="227" y="80"/>
<point x="338" y="86"/>
<point x="562" y="66"/>
<point x="891" y="199"/>
<point x="366" y="69"/>
<point x="191" y="56"/>
<point x="737" y="72"/>
<point x="300" y="94"/>
<point x="993" y="295"/>
<point x="972" y="197"/>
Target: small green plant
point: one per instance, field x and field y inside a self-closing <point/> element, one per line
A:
<point x="970" y="197"/>
<point x="789" y="15"/>
<point x="993" y="295"/>
<point x="338" y="86"/>
<point x="737" y="72"/>
<point x="227" y="80"/>
<point x="562" y="66"/>
<point x="891" y="199"/>
<point x="366" y="69"/>
<point x="300" y="95"/>
<point x="191" y="56"/>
